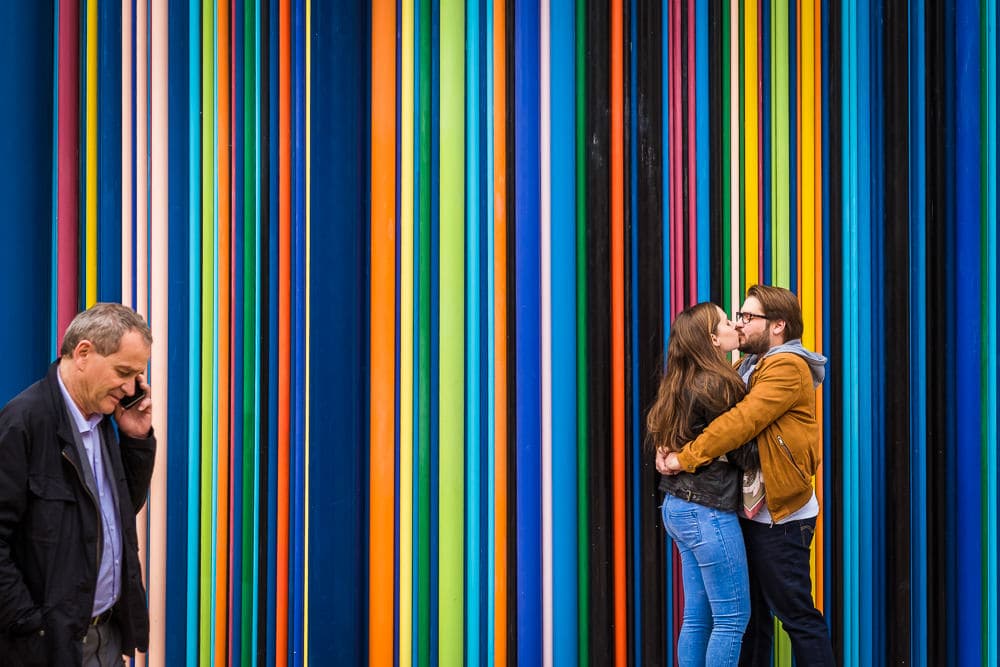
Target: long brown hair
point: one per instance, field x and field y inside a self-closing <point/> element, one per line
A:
<point x="697" y="374"/>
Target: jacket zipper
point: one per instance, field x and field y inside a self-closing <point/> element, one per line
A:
<point x="100" y="528"/>
<point x="790" y="457"/>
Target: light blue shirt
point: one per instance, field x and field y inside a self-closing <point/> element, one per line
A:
<point x="109" y="571"/>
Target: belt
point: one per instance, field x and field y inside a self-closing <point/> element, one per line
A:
<point x="102" y="617"/>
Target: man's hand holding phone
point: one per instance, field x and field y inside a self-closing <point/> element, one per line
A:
<point x="134" y="413"/>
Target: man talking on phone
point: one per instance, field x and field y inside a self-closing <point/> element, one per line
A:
<point x="76" y="466"/>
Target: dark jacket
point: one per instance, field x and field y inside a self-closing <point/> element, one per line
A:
<point x="50" y="531"/>
<point x="718" y="484"/>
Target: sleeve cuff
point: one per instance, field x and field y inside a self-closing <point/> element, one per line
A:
<point x="686" y="460"/>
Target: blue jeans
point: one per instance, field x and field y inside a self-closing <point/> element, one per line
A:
<point x="716" y="589"/>
<point x="782" y="586"/>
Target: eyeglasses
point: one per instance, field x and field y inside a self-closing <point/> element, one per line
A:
<point x="747" y="318"/>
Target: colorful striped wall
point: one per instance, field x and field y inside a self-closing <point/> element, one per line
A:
<point x="410" y="269"/>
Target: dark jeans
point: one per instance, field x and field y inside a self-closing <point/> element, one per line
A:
<point x="780" y="584"/>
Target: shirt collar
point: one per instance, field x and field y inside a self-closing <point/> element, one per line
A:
<point x="83" y="424"/>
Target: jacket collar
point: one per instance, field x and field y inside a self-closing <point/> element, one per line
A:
<point x="64" y="429"/>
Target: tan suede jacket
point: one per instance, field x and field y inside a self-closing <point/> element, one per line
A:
<point x="780" y="411"/>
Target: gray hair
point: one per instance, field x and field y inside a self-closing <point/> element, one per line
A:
<point x="103" y="324"/>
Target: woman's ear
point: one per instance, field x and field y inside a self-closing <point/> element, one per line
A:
<point x="715" y="340"/>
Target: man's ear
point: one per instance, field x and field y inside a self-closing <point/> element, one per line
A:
<point x="778" y="327"/>
<point x="83" y="350"/>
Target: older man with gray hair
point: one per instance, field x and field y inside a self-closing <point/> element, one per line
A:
<point x="71" y="484"/>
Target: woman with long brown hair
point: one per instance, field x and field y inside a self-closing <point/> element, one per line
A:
<point x="699" y="509"/>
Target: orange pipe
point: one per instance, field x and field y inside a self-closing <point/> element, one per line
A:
<point x="500" y="322"/>
<point x="383" y="343"/>
<point x="284" y="324"/>
<point x="618" y="330"/>
<point x="222" y="153"/>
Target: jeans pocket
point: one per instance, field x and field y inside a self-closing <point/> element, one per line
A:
<point x="683" y="525"/>
<point x="806" y="532"/>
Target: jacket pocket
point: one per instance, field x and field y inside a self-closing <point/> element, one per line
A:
<point x="791" y="459"/>
<point x="25" y="651"/>
<point x="51" y="497"/>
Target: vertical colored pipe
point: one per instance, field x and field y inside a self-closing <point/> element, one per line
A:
<point x="89" y="122"/>
<point x="545" y="329"/>
<point x="618" y="328"/>
<point x="735" y="142"/>
<point x="808" y="167"/>
<point x="563" y="330"/>
<point x="917" y="143"/>
<point x="282" y="648"/>
<point x="630" y="244"/>
<point x="406" y="334"/>
<point x="138" y="211"/>
<point x="298" y="380"/>
<point x="848" y="50"/>
<point x="500" y="300"/>
<point x="489" y="311"/>
<point x="177" y="549"/>
<point x="195" y="65"/>
<point x="451" y="314"/>
<point x="423" y="493"/>
<point x="159" y="269"/>
<point x="671" y="589"/>
<point x="968" y="436"/>
<point x="126" y="165"/>
<point x="237" y="450"/>
<point x="527" y="331"/>
<point x="207" y="227"/>
<point x="222" y="115"/>
<point x="250" y="326"/>
<point x="383" y="247"/>
<point x="780" y="203"/>
<point x="69" y="165"/>
<point x="108" y="153"/>
<point x="582" y="500"/>
<point x="702" y="156"/>
<point x="751" y="143"/>
<point x="989" y="378"/>
<point x="337" y="274"/>
<point x="472" y="361"/>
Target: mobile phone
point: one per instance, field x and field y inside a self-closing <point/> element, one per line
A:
<point x="128" y="402"/>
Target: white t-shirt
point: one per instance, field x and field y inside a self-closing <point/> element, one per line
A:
<point x="807" y="511"/>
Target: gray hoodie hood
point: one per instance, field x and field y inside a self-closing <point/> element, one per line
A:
<point x="816" y="361"/>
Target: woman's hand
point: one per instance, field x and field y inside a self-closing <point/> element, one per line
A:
<point x="667" y="463"/>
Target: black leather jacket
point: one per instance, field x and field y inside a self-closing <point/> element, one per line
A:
<point x="718" y="484"/>
<point x="49" y="531"/>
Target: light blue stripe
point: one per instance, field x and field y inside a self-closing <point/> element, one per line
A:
<point x="918" y="334"/>
<point x="565" y="642"/>
<point x="990" y="375"/>
<point x="852" y="544"/>
<point x="473" y="429"/>
<point x="194" y="327"/>
<point x="863" y="173"/>
<point x="488" y="658"/>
